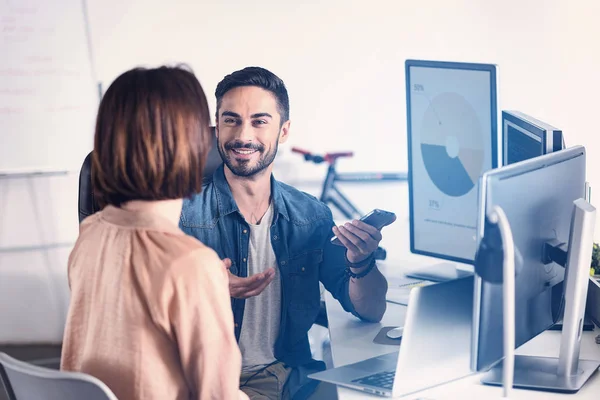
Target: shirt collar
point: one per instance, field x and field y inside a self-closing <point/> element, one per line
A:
<point x="226" y="202"/>
<point x="138" y="219"/>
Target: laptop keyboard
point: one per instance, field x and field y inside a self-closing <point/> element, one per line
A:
<point x="381" y="379"/>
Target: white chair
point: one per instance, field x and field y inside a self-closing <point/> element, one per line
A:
<point x="24" y="381"/>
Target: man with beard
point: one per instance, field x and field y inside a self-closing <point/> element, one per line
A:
<point x="276" y="242"/>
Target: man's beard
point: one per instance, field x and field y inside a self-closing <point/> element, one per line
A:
<point x="243" y="167"/>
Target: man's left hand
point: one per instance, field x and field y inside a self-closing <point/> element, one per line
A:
<point x="359" y="238"/>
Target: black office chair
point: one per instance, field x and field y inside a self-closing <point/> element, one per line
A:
<point x="88" y="201"/>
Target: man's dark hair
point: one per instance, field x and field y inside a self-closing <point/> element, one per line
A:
<point x="152" y="136"/>
<point x="260" y="77"/>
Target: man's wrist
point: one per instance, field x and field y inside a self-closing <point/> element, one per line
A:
<point x="354" y="260"/>
<point x="365" y="262"/>
<point x="362" y="269"/>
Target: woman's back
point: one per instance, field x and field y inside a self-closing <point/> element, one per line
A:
<point x="150" y="311"/>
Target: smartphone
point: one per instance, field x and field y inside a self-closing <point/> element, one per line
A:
<point x="376" y="218"/>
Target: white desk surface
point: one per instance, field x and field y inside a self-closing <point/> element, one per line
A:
<point x="352" y="341"/>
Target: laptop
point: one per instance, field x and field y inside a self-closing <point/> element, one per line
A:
<point x="435" y="347"/>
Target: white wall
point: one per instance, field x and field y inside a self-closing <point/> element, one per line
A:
<point x="343" y="60"/>
<point x="343" y="63"/>
<point x="34" y="293"/>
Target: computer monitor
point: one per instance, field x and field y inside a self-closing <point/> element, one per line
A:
<point x="452" y="139"/>
<point x="538" y="197"/>
<point x="525" y="137"/>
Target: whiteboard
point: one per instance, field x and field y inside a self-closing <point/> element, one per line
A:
<point x="48" y="94"/>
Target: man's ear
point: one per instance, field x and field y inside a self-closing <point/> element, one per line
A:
<point x="284" y="132"/>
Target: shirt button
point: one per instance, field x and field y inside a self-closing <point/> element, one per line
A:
<point x="244" y="260"/>
<point x="245" y="231"/>
<point x="283" y="263"/>
<point x="302" y="269"/>
<point x="274" y="237"/>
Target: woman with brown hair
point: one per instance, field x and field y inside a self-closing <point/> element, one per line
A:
<point x="150" y="311"/>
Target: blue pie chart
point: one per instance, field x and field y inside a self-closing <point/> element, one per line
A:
<point x="452" y="145"/>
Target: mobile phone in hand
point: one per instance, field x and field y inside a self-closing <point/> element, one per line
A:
<point x="376" y="218"/>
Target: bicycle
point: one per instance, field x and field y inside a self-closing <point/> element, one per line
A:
<point x="331" y="195"/>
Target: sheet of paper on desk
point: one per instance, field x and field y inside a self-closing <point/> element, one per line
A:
<point x="399" y="289"/>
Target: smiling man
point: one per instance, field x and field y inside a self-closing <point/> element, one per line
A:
<point x="276" y="242"/>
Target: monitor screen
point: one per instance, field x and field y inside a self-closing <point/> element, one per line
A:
<point x="452" y="140"/>
<point x="523" y="144"/>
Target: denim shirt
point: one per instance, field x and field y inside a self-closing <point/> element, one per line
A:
<point x="300" y="236"/>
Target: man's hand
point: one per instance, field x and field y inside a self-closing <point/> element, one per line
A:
<point x="242" y="288"/>
<point x="359" y="238"/>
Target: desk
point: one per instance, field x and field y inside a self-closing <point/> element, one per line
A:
<point x="352" y="341"/>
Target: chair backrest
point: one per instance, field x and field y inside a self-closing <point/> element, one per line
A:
<point x="88" y="203"/>
<point x="24" y="381"/>
<point x="88" y="200"/>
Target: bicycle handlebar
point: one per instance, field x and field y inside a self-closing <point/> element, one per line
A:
<point x="317" y="159"/>
<point x="299" y="150"/>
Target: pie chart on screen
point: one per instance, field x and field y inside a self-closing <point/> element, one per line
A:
<point x="452" y="144"/>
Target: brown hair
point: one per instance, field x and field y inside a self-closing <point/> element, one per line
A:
<point x="152" y="136"/>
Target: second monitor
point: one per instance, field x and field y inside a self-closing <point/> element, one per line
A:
<point x="539" y="197"/>
<point x="525" y="137"/>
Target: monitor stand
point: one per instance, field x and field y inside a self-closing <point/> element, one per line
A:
<point x="541" y="373"/>
<point x="441" y="272"/>
<point x="567" y="373"/>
